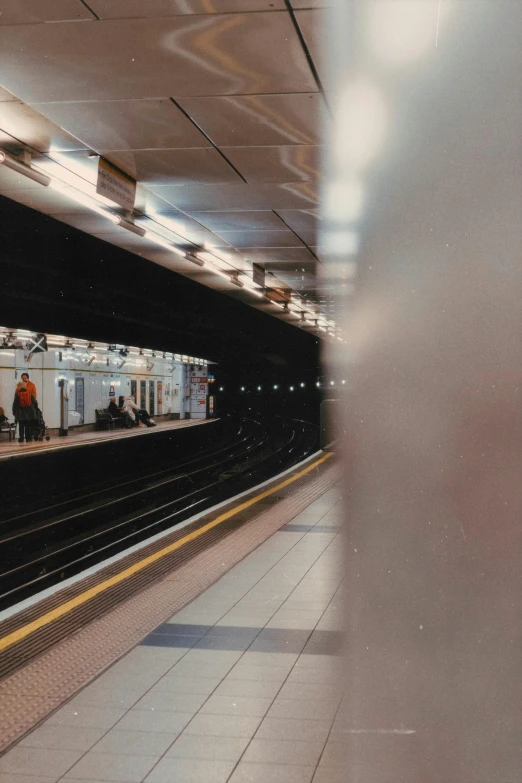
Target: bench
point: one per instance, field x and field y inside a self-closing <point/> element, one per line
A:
<point x="10" y="427"/>
<point x="105" y="421"/>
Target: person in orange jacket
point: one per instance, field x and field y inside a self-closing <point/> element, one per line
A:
<point x="30" y="386"/>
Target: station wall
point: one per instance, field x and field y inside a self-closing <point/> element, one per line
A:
<point x="162" y="386"/>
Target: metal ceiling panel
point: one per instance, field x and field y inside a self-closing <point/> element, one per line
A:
<point x="35" y="11"/>
<point x="89" y="222"/>
<point x="259" y="120"/>
<point x="311" y="23"/>
<point x="297" y="4"/>
<point x="309" y="236"/>
<point x="187" y="229"/>
<point x="280" y="256"/>
<point x="175" y="167"/>
<point x="12" y="181"/>
<point x="147" y="201"/>
<point x="5" y="95"/>
<point x="235" y="221"/>
<point x="300" y="219"/>
<point x="127" y="9"/>
<point x="125" y="125"/>
<point x="261" y="238"/>
<point x="297" y="195"/>
<point x="30" y="129"/>
<point x="275" y="164"/>
<point x="45" y="200"/>
<point x="149" y="58"/>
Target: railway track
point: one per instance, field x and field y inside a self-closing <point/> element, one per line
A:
<point x="41" y="547"/>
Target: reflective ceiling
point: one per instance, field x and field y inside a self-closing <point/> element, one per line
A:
<point x="215" y="107"/>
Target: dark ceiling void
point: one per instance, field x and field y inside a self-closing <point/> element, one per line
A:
<point x="55" y="278"/>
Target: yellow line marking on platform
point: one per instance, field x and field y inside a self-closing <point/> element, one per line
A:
<point x="68" y="606"/>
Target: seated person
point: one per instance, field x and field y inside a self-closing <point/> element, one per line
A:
<point x="133" y="414"/>
<point x="3" y="417"/>
<point x="113" y="409"/>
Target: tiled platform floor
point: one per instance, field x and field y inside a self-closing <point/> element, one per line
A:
<point x="243" y="684"/>
<point x="74" y="439"/>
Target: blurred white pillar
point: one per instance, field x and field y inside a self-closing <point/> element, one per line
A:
<point x="433" y="355"/>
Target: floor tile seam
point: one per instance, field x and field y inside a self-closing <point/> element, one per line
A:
<point x="328" y="735"/>
<point x="131" y="647"/>
<point x="267" y="572"/>
<point x="277" y="563"/>
<point x="223" y="679"/>
<point x="199" y="711"/>
<point x="280" y="689"/>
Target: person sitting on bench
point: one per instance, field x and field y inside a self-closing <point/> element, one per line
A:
<point x="133" y="413"/>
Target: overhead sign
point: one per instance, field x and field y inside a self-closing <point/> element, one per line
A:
<point x="276" y="295"/>
<point x="115" y="185"/>
<point x="258" y="275"/>
<point x="36" y="344"/>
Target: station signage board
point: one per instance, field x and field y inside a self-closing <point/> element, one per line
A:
<point x="115" y="185"/>
<point x="258" y="275"/>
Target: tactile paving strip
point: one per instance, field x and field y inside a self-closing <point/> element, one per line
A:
<point x="42" y="686"/>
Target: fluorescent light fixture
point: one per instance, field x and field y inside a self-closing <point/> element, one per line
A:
<point x="254" y="291"/>
<point x="80" y="198"/>
<point x="129" y="225"/>
<point x="215" y="260"/>
<point x="159" y="240"/>
<point x="226" y="275"/>
<point x="22" y="168"/>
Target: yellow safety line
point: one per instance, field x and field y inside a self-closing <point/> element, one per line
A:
<point x="68" y="606"/>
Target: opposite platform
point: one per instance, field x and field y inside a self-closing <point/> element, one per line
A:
<point x="8" y="450"/>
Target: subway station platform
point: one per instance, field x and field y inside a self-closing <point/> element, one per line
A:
<point x="225" y="667"/>
<point x="10" y="449"/>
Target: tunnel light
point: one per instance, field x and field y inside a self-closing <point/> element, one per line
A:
<point x="242" y="388"/>
<point x="291" y="388"/>
<point x="20" y="167"/>
<point x="302" y="385"/>
<point x="259" y="388"/>
<point x="317" y="384"/>
<point x="343" y="382"/>
<point x="332" y="383"/>
<point x="128" y="225"/>
<point x="221" y="388"/>
<point x="276" y="386"/>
